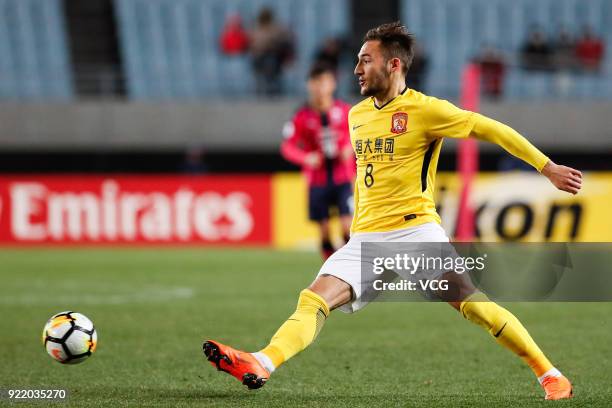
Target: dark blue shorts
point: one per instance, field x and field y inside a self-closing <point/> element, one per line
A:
<point x="321" y="198"/>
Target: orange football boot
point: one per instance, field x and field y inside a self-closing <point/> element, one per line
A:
<point x="239" y="364"/>
<point x="557" y="388"/>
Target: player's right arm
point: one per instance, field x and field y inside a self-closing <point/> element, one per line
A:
<point x="292" y="146"/>
<point x="444" y="119"/>
<point x="347" y="154"/>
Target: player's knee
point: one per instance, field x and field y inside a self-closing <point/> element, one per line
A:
<point x="459" y="288"/>
<point x="334" y="291"/>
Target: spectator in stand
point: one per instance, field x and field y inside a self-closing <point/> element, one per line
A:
<point x="234" y="39"/>
<point x="272" y="51"/>
<point x="331" y="52"/>
<point x="493" y="69"/>
<point x="589" y="50"/>
<point x="418" y="70"/>
<point x="536" y="52"/>
<point x="564" y="50"/>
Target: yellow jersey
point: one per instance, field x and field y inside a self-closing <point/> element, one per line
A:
<point x="397" y="146"/>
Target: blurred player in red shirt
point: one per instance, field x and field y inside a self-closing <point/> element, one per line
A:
<point x="317" y="139"/>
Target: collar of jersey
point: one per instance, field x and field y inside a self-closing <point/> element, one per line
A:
<point x="390" y="100"/>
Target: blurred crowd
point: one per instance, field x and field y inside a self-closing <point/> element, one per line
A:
<point x="564" y="53"/>
<point x="269" y="43"/>
<point x="584" y="52"/>
<point x="271" y="48"/>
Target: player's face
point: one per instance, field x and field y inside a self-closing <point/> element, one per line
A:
<point x="322" y="86"/>
<point x="372" y="69"/>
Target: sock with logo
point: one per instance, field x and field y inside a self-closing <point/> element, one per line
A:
<point x="298" y="332"/>
<point x="506" y="329"/>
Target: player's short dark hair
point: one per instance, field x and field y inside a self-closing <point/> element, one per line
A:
<point x="396" y="42"/>
<point x="320" y="68"/>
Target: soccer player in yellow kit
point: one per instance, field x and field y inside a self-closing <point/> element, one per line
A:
<point x="397" y="134"/>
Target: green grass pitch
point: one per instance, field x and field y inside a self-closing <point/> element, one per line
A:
<point x="154" y="307"/>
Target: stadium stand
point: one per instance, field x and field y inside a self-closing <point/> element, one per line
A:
<point x="171" y="51"/>
<point x="453" y="31"/>
<point x="35" y="62"/>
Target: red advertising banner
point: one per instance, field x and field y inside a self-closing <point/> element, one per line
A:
<point x="79" y="209"/>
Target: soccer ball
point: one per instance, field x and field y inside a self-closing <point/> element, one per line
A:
<point x="70" y="337"/>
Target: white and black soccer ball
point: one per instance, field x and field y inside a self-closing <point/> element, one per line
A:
<point x="70" y="337"/>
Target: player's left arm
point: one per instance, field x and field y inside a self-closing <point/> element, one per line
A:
<point x="563" y="177"/>
<point x="443" y="119"/>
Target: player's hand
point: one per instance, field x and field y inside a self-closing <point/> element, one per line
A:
<point x="312" y="159"/>
<point x="563" y="177"/>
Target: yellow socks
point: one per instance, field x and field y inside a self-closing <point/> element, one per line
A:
<point x="506" y="329"/>
<point x="300" y="329"/>
<point x="303" y="326"/>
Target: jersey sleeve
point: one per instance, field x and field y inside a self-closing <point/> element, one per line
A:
<point x="496" y="132"/>
<point x="291" y="148"/>
<point x="349" y="119"/>
<point x="345" y="136"/>
<point x="443" y="119"/>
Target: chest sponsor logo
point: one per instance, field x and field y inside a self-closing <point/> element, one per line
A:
<point x="377" y="146"/>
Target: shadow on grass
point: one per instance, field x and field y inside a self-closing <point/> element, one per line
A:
<point x="203" y="394"/>
<point x="206" y="394"/>
<point x="156" y="395"/>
